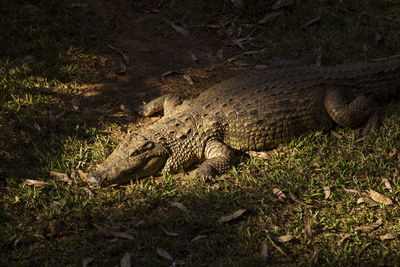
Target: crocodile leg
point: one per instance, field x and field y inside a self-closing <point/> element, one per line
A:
<point x="219" y="158"/>
<point x="166" y="102"/>
<point x="359" y="113"/>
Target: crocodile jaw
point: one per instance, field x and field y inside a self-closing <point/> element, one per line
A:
<point x="135" y="157"/>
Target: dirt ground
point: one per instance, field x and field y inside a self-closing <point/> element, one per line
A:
<point x="149" y="55"/>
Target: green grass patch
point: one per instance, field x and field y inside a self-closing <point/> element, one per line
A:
<point x="51" y="48"/>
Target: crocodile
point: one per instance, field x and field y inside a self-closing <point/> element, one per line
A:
<point x="255" y="111"/>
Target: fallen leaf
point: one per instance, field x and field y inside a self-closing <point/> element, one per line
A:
<point x="198" y="237"/>
<point x="169" y="233"/>
<point x="315" y="255"/>
<point x="237" y="3"/>
<point x="180" y="206"/>
<point x="87" y="261"/>
<point x="352" y="191"/>
<point x="170" y="72"/>
<point x="119" y="51"/>
<point x="366" y="200"/>
<point x="387" y="185"/>
<point x="193" y="56"/>
<point x="122" y="67"/>
<point x="16" y="199"/>
<point x="180" y="29"/>
<point x="311" y="22"/>
<point x="387" y="237"/>
<point x="307" y="227"/>
<point x="37" y="183"/>
<point x="78" y="174"/>
<point x="113" y="234"/>
<point x="369" y="228"/>
<point x="264" y="250"/>
<point x="269" y="17"/>
<point x="393" y="152"/>
<point x="378" y="197"/>
<point x="318" y="61"/>
<point x="327" y="192"/>
<point x="87" y="190"/>
<point x="298" y="201"/>
<point x="281" y="3"/>
<point x="343" y="239"/>
<point x="279" y="193"/>
<point x="255" y="52"/>
<point x="220" y="54"/>
<point x="386" y="58"/>
<point x="284" y="238"/>
<point x="276" y="246"/>
<point x="56" y="227"/>
<point x="261" y="67"/>
<point x="335" y="134"/>
<point x="62" y="177"/>
<point x="126" y="260"/>
<point x="231" y="216"/>
<point x="188" y="79"/>
<point x="163" y="253"/>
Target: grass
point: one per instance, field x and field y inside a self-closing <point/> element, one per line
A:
<point x="49" y="52"/>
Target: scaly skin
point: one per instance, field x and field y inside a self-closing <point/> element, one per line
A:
<point x="256" y="111"/>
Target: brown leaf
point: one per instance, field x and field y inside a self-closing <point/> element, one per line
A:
<point x="343" y="239"/>
<point x="387" y="237"/>
<point x="78" y="174"/>
<point x="122" y="67"/>
<point x="180" y="29"/>
<point x="179" y="206"/>
<point x="327" y="192"/>
<point x="231" y="216"/>
<point x="264" y="251"/>
<point x="393" y="152"/>
<point x="366" y="200"/>
<point x="284" y="238"/>
<point x="369" y="228"/>
<point x="311" y="22"/>
<point x="378" y="197"/>
<point x="276" y="246"/>
<point x="87" y="261"/>
<point x="56" y="227"/>
<point x="163" y="253"/>
<point x="16" y="199"/>
<point x="255" y="52"/>
<point x="352" y="191"/>
<point x="220" y="54"/>
<point x="188" y="79"/>
<point x="307" y="227"/>
<point x="198" y="237"/>
<point x="170" y="72"/>
<point x="126" y="260"/>
<point x="37" y="183"/>
<point x="298" y="201"/>
<point x="113" y="234"/>
<point x="387" y="185"/>
<point x="169" y="233"/>
<point x="281" y="3"/>
<point x="62" y="177"/>
<point x="193" y="56"/>
<point x="261" y="67"/>
<point x="269" y="17"/>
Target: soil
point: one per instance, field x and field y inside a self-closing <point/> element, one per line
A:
<point x="161" y="59"/>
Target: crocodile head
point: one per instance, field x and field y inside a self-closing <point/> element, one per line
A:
<point x="135" y="157"/>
